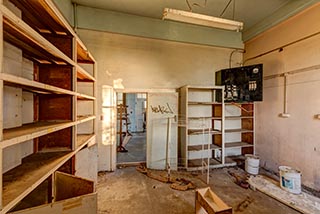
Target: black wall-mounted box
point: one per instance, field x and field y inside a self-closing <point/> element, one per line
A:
<point x="242" y="84"/>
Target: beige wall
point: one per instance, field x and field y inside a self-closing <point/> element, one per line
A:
<point x="150" y="63"/>
<point x="145" y="64"/>
<point x="292" y="141"/>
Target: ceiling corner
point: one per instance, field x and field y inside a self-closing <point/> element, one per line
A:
<point x="285" y="12"/>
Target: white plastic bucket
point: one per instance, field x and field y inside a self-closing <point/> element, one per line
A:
<point x="252" y="164"/>
<point x="290" y="179"/>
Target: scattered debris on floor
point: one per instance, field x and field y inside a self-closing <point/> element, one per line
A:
<point x="121" y="149"/>
<point x="240" y="179"/>
<point x="181" y="184"/>
<point x="303" y="202"/>
<point x="140" y="194"/>
<point x="129" y="164"/>
<point x="244" y="204"/>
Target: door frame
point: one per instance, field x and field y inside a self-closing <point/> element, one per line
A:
<point x="136" y="91"/>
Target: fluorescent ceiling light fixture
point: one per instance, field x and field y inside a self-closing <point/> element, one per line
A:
<point x="199" y="19"/>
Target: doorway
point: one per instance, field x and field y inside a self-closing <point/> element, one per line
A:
<point x="131" y="127"/>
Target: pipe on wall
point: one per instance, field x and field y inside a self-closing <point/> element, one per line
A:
<point x="285" y="113"/>
<point x="282" y="47"/>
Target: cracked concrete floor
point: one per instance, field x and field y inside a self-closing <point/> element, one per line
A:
<point x="127" y="191"/>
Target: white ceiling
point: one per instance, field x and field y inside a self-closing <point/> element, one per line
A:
<point x="248" y="11"/>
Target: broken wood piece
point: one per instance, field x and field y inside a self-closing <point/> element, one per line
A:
<point x="157" y="177"/>
<point x="240" y="180"/>
<point x="153" y="174"/>
<point x="244" y="204"/>
<point x="182" y="185"/>
<point x="142" y="169"/>
<point x="207" y="202"/>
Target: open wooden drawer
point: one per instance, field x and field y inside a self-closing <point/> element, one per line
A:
<point x="72" y="195"/>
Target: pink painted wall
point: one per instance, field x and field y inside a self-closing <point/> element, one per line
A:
<point x="293" y="141"/>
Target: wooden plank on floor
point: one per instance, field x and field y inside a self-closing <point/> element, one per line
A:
<point x="304" y="203"/>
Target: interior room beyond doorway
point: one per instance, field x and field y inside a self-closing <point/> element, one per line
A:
<point x="131" y="127"/>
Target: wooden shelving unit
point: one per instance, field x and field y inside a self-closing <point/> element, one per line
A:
<point x="201" y="129"/>
<point x="213" y="132"/>
<point x="48" y="105"/>
<point x="239" y="130"/>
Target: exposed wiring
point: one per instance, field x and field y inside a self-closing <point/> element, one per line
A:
<point x="230" y="58"/>
<point x="224" y="10"/>
<point x="188" y="3"/>
<point x="234" y="9"/>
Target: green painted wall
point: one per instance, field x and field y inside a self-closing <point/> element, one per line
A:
<point x="66" y="8"/>
<point x="110" y="21"/>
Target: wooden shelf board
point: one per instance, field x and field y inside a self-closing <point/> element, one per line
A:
<point x="235" y="159"/>
<point x="83" y="139"/>
<point x="30" y="131"/>
<point x="201" y="131"/>
<point x="23" y="36"/>
<point x="236" y="103"/>
<point x="52" y="24"/>
<point x="237" y="130"/>
<point x="83" y="119"/>
<point x="20" y="181"/>
<point x="195" y="164"/>
<point x="205" y="147"/>
<point x="83" y="75"/>
<point x="190" y="87"/>
<point x="238" y="117"/>
<point x="205" y="118"/>
<point x="237" y="145"/>
<point x="33" y="86"/>
<point x="198" y="162"/>
<point x="204" y="103"/>
<point x="31" y="49"/>
<point x="85" y="97"/>
<point x="83" y="55"/>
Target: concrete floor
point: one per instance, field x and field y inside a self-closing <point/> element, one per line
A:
<point x="128" y="191"/>
<point x="136" y="149"/>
